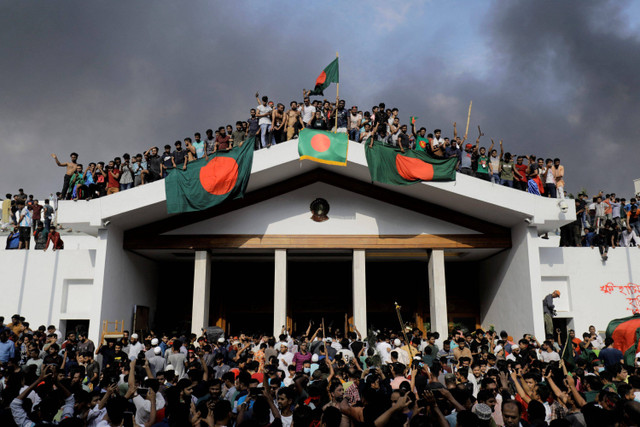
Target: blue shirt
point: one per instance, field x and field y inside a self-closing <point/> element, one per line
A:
<point x="7" y="351"/>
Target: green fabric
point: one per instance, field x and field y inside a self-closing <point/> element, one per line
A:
<point x="382" y="162"/>
<point x="483" y="160"/>
<point x="568" y="355"/>
<point x="186" y="189"/>
<point x="332" y="75"/>
<point x="323" y="147"/>
<point x="506" y="170"/>
<point x="422" y="143"/>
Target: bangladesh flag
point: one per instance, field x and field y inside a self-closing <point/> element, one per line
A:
<point x="209" y="182"/>
<point x="329" y="75"/>
<point x="625" y="333"/>
<point x="389" y="166"/>
<point x="323" y="147"/>
<point x="421" y="143"/>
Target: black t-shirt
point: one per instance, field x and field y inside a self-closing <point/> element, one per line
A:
<point x="166" y="160"/>
<point x="403" y="140"/>
<point x="319" y="124"/>
<point x="178" y="156"/>
<point x="153" y="164"/>
<point x="381" y="120"/>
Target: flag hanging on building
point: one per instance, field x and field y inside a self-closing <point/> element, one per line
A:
<point x="209" y="182"/>
<point x="329" y="75"/>
<point x="323" y="147"/>
<point x="389" y="166"/>
<point x="625" y="333"/>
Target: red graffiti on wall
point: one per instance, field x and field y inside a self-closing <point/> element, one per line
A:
<point x="630" y="290"/>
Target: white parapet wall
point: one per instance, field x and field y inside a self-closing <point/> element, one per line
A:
<point x="48" y="287"/>
<point x="593" y="292"/>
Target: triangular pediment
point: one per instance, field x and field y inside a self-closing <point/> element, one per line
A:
<point x="360" y="214"/>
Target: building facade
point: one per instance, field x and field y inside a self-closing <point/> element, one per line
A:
<point x="464" y="253"/>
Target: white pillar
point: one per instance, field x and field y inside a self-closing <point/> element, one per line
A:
<point x="438" y="294"/>
<point x="201" y="292"/>
<point x="280" y="291"/>
<point x="360" y="291"/>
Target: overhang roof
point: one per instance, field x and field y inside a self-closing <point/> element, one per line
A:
<point x="489" y="202"/>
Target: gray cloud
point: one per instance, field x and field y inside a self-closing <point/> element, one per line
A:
<point x="559" y="79"/>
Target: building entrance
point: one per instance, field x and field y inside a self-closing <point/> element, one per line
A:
<point x="316" y="289"/>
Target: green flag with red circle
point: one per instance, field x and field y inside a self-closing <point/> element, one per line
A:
<point x="323" y="147"/>
<point x="331" y="74"/>
<point x="210" y="181"/>
<point x="389" y="165"/>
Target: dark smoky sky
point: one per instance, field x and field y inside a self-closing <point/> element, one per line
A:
<point x="107" y="77"/>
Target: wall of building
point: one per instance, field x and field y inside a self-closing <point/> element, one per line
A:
<point x="123" y="280"/>
<point x="592" y="292"/>
<point x="349" y="213"/>
<point x="49" y="287"/>
<point x="510" y="295"/>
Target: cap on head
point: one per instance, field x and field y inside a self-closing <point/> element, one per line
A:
<point x="397" y="342"/>
<point x="154" y="342"/>
<point x="134" y="336"/>
<point x="157" y="350"/>
<point x="314" y="358"/>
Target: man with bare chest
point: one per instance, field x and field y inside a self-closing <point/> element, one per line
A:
<point x="293" y="121"/>
<point x="71" y="168"/>
<point x="277" y="120"/>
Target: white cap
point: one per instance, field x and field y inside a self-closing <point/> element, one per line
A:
<point x="157" y="350"/>
<point x="169" y="368"/>
<point x="329" y="339"/>
<point x="154" y="342"/>
<point x="134" y="336"/>
<point x="417" y="358"/>
<point x="397" y="342"/>
<point x="221" y="340"/>
<point x="314" y="358"/>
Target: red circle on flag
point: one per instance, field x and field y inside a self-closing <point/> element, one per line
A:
<point x="320" y="142"/>
<point x="413" y="169"/>
<point x="219" y="176"/>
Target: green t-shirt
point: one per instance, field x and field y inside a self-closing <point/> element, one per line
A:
<point x="483" y="164"/>
<point x="506" y="170"/>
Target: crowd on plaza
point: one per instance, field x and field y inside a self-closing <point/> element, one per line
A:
<point x="319" y="378"/>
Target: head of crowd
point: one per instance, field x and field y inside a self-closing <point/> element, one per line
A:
<point x="321" y="377"/>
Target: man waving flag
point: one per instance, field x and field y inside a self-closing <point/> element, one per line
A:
<point x="329" y="75"/>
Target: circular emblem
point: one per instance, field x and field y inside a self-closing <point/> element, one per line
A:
<point x="320" y="142"/>
<point x="219" y="176"/>
<point x="319" y="209"/>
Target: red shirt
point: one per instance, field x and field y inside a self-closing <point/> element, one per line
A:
<point x="522" y="170"/>
<point x="112" y="181"/>
<point x="223" y="142"/>
<point x="36" y="211"/>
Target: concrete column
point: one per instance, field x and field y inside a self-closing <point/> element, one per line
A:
<point x="438" y="294"/>
<point x="201" y="292"/>
<point x="360" y="291"/>
<point x="280" y="291"/>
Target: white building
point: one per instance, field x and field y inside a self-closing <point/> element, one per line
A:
<point x="464" y="252"/>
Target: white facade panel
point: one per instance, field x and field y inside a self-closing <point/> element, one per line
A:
<point x="350" y="213"/>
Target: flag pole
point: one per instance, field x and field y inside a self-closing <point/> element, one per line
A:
<point x="337" y="94"/>
<point x="466" y="132"/>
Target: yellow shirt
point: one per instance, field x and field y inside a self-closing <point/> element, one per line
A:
<point x="6" y="211"/>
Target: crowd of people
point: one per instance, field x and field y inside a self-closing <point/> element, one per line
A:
<point x="320" y="378"/>
<point x="24" y="217"/>
<point x="604" y="221"/>
<point x="270" y="123"/>
<point x="607" y="222"/>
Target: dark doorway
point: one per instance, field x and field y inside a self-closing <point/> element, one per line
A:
<point x="317" y="290"/>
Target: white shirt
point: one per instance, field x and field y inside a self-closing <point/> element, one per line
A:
<point x="134" y="349"/>
<point x="308" y="112"/>
<point x="627" y="236"/>
<point x="262" y="109"/>
<point x="284" y="360"/>
<point x="384" y="348"/>
<point x="26" y="221"/>
<point x="547" y="357"/>
<point x="143" y="408"/>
